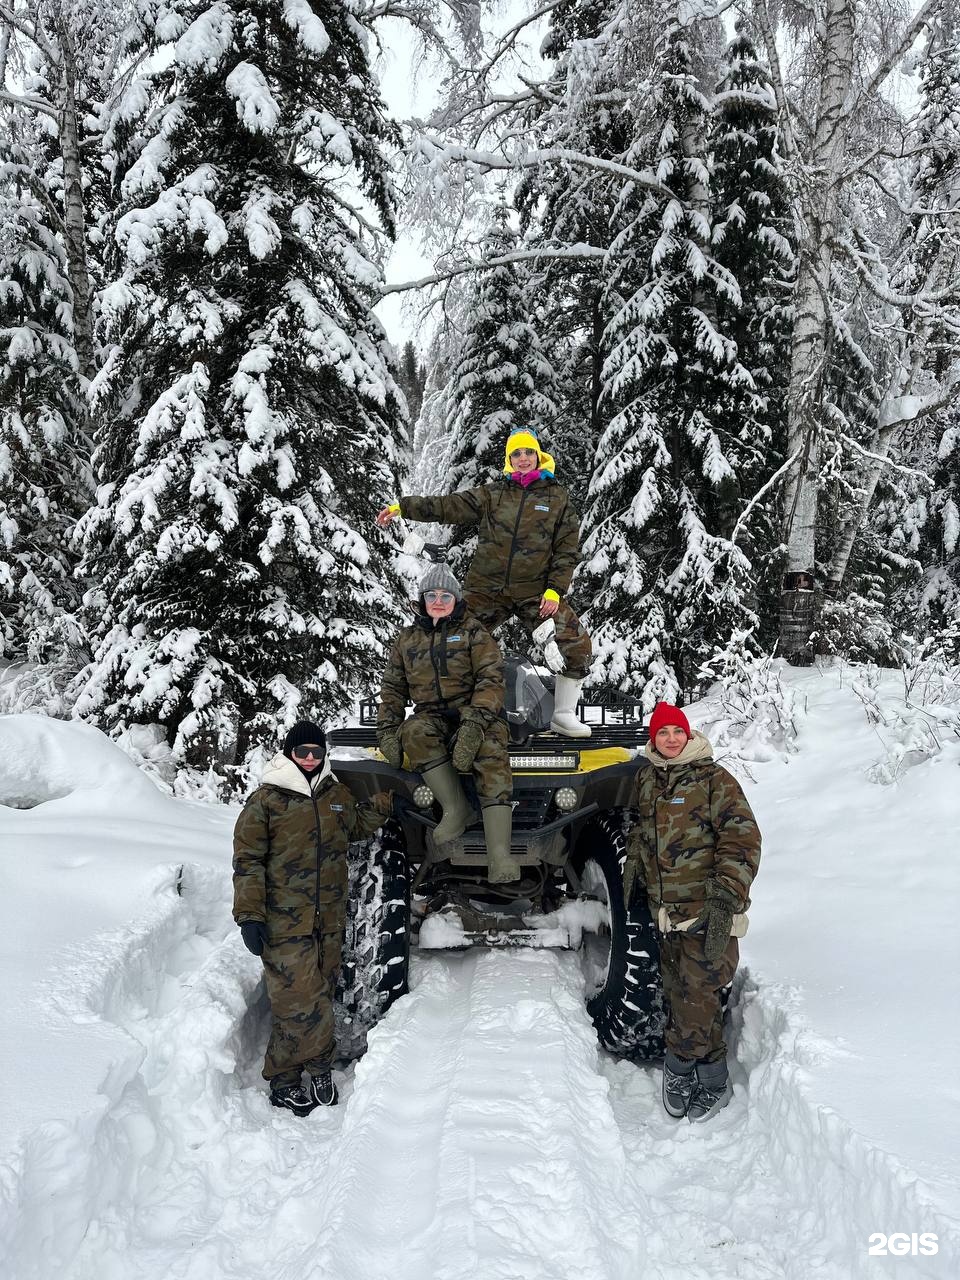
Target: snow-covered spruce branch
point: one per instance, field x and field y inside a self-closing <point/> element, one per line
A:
<point x="584" y="251"/>
<point x="41" y="194"/>
<point x="24" y="100"/>
<point x="758" y="496"/>
<point x="484" y="160"/>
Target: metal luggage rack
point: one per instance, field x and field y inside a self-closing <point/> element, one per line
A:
<point x="619" y="722"/>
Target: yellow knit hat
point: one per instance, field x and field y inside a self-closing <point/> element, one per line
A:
<point x="522" y="439"/>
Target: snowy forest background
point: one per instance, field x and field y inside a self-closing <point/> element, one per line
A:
<point x="711" y="252"/>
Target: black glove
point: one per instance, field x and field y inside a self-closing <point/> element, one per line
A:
<point x="467" y="743"/>
<point x="254" y="935"/>
<point x="716" y="920"/>
<point x="391" y="750"/>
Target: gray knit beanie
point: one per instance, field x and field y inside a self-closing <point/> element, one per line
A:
<point x="439" y="577"/>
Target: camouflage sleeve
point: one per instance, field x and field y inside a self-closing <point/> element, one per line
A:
<point x="370" y="815"/>
<point x="486" y="702"/>
<point x="465" y="507"/>
<point x="737" y="836"/>
<point x="251" y="844"/>
<point x="637" y="839"/>
<point x="566" y="551"/>
<point x="394" y="691"/>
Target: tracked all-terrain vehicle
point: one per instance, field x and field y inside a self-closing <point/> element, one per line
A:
<point x="570" y="798"/>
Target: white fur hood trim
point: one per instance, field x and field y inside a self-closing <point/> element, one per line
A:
<point x="282" y="772"/>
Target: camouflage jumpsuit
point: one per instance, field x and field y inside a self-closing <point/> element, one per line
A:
<point x="528" y="543"/>
<point x="450" y="672"/>
<point x="692" y="823"/>
<point x="290" y="872"/>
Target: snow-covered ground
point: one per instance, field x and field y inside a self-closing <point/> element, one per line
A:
<point x="483" y="1134"/>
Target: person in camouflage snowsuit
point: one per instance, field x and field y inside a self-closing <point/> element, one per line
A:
<point x="450" y="667"/>
<point x="694" y="846"/>
<point x="528" y="547"/>
<point x="289" y="899"/>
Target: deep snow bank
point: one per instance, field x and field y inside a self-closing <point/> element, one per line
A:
<point x="90" y="853"/>
<point x="45" y="760"/>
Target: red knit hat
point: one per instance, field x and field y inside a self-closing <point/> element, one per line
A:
<point x="664" y="713"/>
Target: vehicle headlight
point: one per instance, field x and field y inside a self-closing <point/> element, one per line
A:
<point x="566" y="799"/>
<point x="422" y="796"/>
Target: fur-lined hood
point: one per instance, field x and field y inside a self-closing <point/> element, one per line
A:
<point x="282" y="772"/>
<point x="697" y="751"/>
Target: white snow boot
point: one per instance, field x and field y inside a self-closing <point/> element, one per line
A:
<point x="712" y="1091"/>
<point x="679" y="1085"/>
<point x="444" y="782"/>
<point x="565" y="696"/>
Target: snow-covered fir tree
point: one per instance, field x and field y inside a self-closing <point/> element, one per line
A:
<point x="412" y="379"/>
<point x="586" y="109"/>
<point x="502" y="379"/>
<point x="44" y="456"/>
<point x="667" y="583"/>
<point x="250" y="419"/>
<point x="751" y="238"/>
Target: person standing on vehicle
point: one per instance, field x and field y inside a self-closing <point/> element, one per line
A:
<point x="289" y="899"/>
<point x="450" y="667"/>
<point x="694" y="844"/>
<point x="527" y="550"/>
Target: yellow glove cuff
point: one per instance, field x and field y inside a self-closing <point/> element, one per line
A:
<point x="393" y="508"/>
<point x="550" y="594"/>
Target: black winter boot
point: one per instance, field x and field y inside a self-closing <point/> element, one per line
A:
<point x="294" y="1098"/>
<point x="712" y="1092"/>
<point x="679" y="1083"/>
<point x="323" y="1091"/>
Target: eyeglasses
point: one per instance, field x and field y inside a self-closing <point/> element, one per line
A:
<point x="305" y="752"/>
<point x="439" y="597"/>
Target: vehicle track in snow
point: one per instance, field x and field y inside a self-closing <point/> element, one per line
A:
<point x="483" y="1134"/>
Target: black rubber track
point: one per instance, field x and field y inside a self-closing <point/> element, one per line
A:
<point x="376" y="945"/>
<point x="628" y="1011"/>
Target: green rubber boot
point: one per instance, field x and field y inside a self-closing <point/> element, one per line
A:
<point x="497" y="822"/>
<point x="444" y="781"/>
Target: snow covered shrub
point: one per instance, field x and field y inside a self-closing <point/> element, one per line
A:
<point x="748" y="713"/>
<point x="41" y="689"/>
<point x="857" y="627"/>
<point x="915" y="711"/>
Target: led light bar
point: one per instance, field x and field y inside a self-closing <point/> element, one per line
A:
<point x="546" y="764"/>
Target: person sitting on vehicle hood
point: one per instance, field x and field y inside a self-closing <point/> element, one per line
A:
<point x="450" y="667"/>
<point x="694" y="845"/>
<point x="527" y="550"/>
<point x="289" y="899"/>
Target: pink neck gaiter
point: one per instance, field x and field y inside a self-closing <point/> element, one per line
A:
<point x="525" y="478"/>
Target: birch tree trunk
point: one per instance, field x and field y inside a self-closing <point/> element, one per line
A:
<point x="819" y="217"/>
<point x="74" y="216"/>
